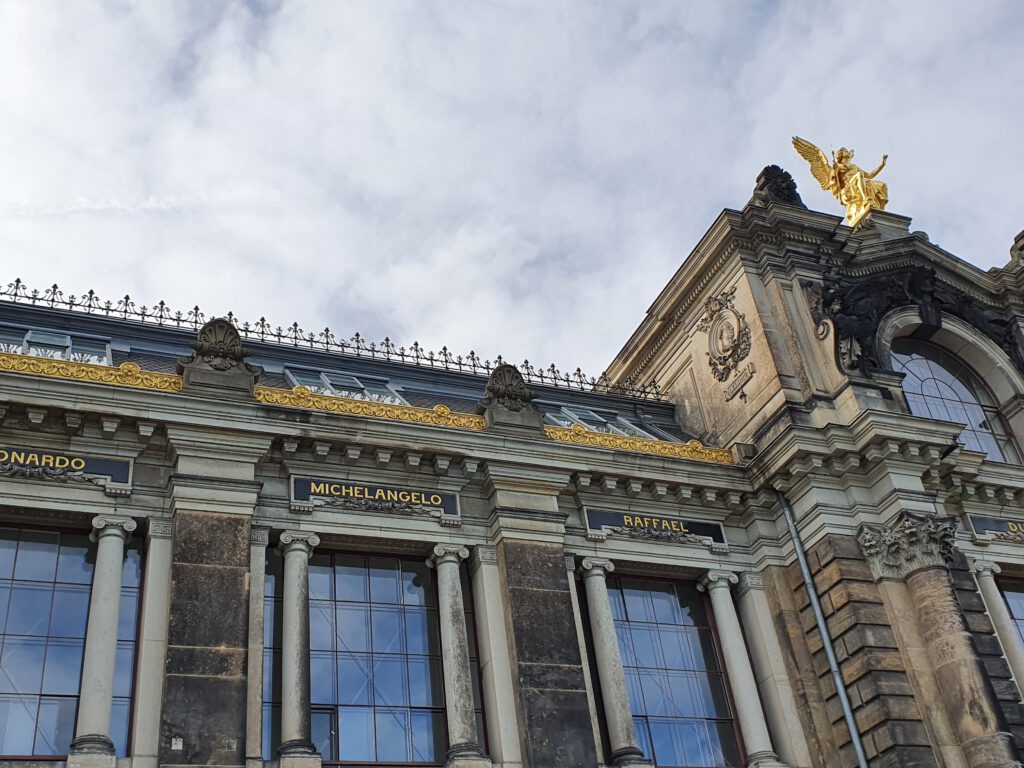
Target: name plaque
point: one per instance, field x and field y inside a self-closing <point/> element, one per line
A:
<point x="308" y="492"/>
<point x="601" y="522"/>
<point x="49" y="465"/>
<point x="1001" y="527"/>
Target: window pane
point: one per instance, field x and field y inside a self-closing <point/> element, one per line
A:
<point x="421" y="631"/>
<point x="37" y="556"/>
<point x="666" y="605"/>
<point x="123" y="669"/>
<point x="29" y="612"/>
<point x="384" y="586"/>
<point x="351" y="580"/>
<point x="74" y="565"/>
<point x="322" y="677"/>
<point x="426" y="686"/>
<point x="389" y="684"/>
<point x="388" y="636"/>
<point x="128" y="619"/>
<point x="321" y="578"/>
<point x="392" y="735"/>
<point x="638" y="601"/>
<point x="353" y="628"/>
<point x="21" y="664"/>
<point x="63" y="669"/>
<point x="120" y="712"/>
<point x="17" y="724"/>
<point x="354" y="679"/>
<point x="322" y="724"/>
<point x="417" y="584"/>
<point x="428" y="737"/>
<point x="131" y="571"/>
<point x="56" y="726"/>
<point x="8" y="550"/>
<point x="355" y="733"/>
<point x="321" y="625"/>
<point x="5" y="596"/>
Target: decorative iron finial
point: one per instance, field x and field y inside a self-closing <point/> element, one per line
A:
<point x="852" y="186"/>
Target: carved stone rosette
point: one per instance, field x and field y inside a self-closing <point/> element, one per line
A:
<point x="912" y="542"/>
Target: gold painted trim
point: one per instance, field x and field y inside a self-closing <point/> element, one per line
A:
<point x="694" y="450"/>
<point x="301" y="397"/>
<point x="124" y="375"/>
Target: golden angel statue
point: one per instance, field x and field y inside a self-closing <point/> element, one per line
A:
<point x="849" y="184"/>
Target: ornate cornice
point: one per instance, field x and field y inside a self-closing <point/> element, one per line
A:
<point x="693" y="449"/>
<point x="124" y="375"/>
<point x="301" y="397"/>
<point x="912" y="542"/>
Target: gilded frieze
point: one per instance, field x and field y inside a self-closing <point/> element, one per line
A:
<point x="124" y="375"/>
<point x="692" y="450"/>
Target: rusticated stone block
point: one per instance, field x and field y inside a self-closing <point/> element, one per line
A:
<point x="864" y="636"/>
<point x="834" y="546"/>
<point x="841" y="570"/>
<point x="897" y="733"/>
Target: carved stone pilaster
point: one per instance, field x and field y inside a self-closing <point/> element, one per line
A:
<point x="160" y="528"/>
<point x="482" y="554"/>
<point x="749" y="580"/>
<point x="910" y="543"/>
<point x="259" y="536"/>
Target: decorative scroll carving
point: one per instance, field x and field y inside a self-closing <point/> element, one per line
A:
<point x="304" y="539"/>
<point x="301" y="397"/>
<point x="647" y="533"/>
<point x="219" y="346"/>
<point x="856" y="307"/>
<point x="507" y="387"/>
<point x="124" y="375"/>
<point x="692" y="450"/>
<point x="729" y="337"/>
<point x="377" y="505"/>
<point x="447" y="553"/>
<point x="910" y="543"/>
<point x="775" y="185"/>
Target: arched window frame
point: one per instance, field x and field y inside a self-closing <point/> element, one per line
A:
<point x="991" y="366"/>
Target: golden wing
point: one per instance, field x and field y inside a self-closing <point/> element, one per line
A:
<point x="820" y="167"/>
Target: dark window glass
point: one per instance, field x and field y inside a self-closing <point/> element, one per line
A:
<point x="377" y="688"/>
<point x="938" y="385"/>
<point x="45" y="582"/>
<point x="1013" y="591"/>
<point x="676" y="687"/>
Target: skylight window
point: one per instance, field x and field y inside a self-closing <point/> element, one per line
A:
<point x="55" y="346"/>
<point x="567" y="416"/>
<point x="344" y="385"/>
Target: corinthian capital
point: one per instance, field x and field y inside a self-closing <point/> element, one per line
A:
<point x="911" y="542"/>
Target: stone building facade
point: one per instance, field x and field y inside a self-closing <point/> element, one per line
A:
<point x="231" y="544"/>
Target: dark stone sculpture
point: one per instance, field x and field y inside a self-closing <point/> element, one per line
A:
<point x="219" y="360"/>
<point x="856" y="308"/>
<point x="775" y="185"/>
<point x="508" y="402"/>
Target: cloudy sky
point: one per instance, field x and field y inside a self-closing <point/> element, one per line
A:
<point x="510" y="177"/>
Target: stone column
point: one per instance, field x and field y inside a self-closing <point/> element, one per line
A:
<point x="1006" y="630"/>
<point x="917" y="548"/>
<point x="296" y="547"/>
<point x="258" y="540"/>
<point x="495" y="666"/>
<point x="92" y="734"/>
<point x="152" y="645"/>
<point x="617" y="713"/>
<point x="463" y="748"/>
<point x="749" y="714"/>
<point x="770" y="669"/>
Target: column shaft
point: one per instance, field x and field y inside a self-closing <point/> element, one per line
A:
<point x="152" y="645"/>
<point x="495" y="666"/>
<point x="258" y="539"/>
<point x="617" y="712"/>
<point x="965" y="688"/>
<point x="458" y="687"/>
<point x="92" y="734"/>
<point x="297" y="547"/>
<point x="741" y="677"/>
<point x="1004" y="625"/>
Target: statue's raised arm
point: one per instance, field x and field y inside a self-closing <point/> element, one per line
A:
<point x="849" y="184"/>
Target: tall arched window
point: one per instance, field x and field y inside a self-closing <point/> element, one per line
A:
<point x="939" y="386"/>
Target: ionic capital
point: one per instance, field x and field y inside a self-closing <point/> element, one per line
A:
<point x="912" y="542"/>
<point x="107" y="525"/>
<point x="985" y="568"/>
<point x="592" y="567"/>
<point x="292" y="541"/>
<point x="717" y="580"/>
<point x="447" y="553"/>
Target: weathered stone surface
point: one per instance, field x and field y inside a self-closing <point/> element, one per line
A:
<point x="547" y="663"/>
<point x="204" y="696"/>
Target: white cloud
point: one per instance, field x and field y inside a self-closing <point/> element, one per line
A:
<point x="513" y="177"/>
